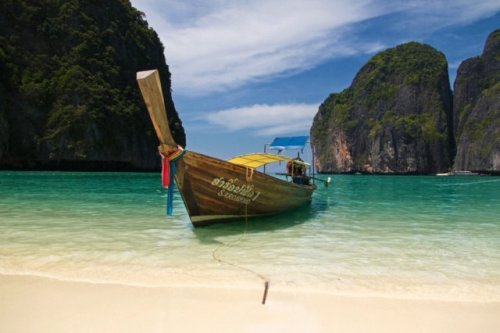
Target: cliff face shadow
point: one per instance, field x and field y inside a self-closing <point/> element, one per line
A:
<point x="208" y="234"/>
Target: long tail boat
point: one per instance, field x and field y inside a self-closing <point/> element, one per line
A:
<point x="215" y="190"/>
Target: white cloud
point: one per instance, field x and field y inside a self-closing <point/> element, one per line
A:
<point x="220" y="44"/>
<point x="233" y="43"/>
<point x="266" y="120"/>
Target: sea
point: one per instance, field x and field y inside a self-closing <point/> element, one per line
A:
<point x="423" y="237"/>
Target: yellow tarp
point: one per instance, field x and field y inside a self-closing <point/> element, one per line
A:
<point x="259" y="159"/>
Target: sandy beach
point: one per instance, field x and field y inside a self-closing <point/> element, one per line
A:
<point x="36" y="304"/>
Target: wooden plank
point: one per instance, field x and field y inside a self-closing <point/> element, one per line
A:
<point x="150" y="85"/>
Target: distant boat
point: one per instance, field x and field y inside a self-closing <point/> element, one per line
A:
<point x="458" y="173"/>
<point x="215" y="190"/>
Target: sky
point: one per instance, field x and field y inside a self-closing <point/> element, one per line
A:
<point x="246" y="71"/>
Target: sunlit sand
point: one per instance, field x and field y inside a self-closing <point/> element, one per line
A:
<point x="34" y="304"/>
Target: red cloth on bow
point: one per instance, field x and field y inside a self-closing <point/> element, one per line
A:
<point x="165" y="172"/>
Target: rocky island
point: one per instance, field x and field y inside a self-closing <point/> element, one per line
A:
<point x="477" y="110"/>
<point x="400" y="116"/>
<point x="396" y="117"/>
<point x="68" y="95"/>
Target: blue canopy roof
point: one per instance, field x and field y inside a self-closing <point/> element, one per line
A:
<point x="289" y="142"/>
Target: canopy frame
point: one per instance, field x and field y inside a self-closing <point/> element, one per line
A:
<point x="289" y="143"/>
<point x="261" y="159"/>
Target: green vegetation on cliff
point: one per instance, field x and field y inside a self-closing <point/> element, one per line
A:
<point x="68" y="92"/>
<point x="379" y="82"/>
<point x="407" y="64"/>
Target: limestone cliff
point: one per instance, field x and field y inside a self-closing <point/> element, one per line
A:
<point x="477" y="110"/>
<point x="396" y="117"/>
<point x="68" y="94"/>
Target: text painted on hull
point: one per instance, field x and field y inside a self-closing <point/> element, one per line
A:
<point x="232" y="190"/>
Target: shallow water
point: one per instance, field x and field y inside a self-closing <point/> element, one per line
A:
<point x="420" y="237"/>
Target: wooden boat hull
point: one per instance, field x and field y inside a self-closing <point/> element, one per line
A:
<point x="214" y="190"/>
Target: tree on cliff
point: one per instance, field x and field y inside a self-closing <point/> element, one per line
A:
<point x="68" y="95"/>
<point x="396" y="117"/>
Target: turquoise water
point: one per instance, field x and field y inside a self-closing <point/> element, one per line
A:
<point x="423" y="237"/>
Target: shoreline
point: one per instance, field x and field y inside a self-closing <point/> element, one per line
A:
<point x="256" y="285"/>
<point x="157" y="170"/>
<point x="38" y="304"/>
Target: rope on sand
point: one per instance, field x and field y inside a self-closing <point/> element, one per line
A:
<point x="237" y="241"/>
